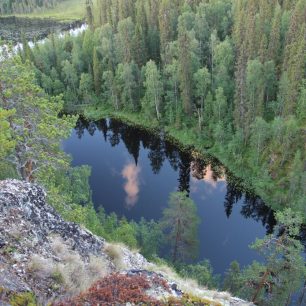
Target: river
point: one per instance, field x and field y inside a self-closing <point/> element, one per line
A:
<point x="133" y="172"/>
<point x="9" y="50"/>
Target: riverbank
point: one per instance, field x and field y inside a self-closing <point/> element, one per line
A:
<point x="249" y="180"/>
<point x="34" y="29"/>
<point x="185" y="139"/>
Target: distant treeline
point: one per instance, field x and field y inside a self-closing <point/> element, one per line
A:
<point x="25" y="6"/>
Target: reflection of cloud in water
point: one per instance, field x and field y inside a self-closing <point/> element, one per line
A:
<point x="208" y="178"/>
<point x="131" y="173"/>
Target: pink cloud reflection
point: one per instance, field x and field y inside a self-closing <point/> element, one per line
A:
<point x="131" y="173"/>
<point x="208" y="178"/>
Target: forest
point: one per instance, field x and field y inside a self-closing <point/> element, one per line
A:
<point x="225" y="76"/>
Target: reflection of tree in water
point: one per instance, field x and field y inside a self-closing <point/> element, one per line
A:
<point x="199" y="168"/>
<point x="184" y="172"/>
<point x="80" y="127"/>
<point x="159" y="150"/>
<point x="114" y="127"/>
<point x="172" y="154"/>
<point x="131" y="138"/>
<point x="102" y="127"/>
<point x="218" y="171"/>
<point x="156" y="154"/>
<point x="254" y="207"/>
<point x="303" y="237"/>
<point x="91" y="128"/>
<point x="233" y="195"/>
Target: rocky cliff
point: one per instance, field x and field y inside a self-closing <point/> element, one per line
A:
<point x="44" y="259"/>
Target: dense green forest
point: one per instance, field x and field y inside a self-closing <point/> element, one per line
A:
<point x="25" y="6"/>
<point x="227" y="76"/>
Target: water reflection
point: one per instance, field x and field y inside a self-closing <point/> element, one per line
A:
<point x="192" y="170"/>
<point x="131" y="173"/>
<point x="207" y="174"/>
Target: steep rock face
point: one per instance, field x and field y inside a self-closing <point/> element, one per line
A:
<point x="35" y="242"/>
<point x="24" y="212"/>
<point x="42" y="254"/>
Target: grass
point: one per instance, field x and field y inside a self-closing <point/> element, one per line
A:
<point x="194" y="294"/>
<point x="65" y="11"/>
<point x="114" y="251"/>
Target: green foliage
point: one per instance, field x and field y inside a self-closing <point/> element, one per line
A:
<point x="7" y="144"/>
<point x="284" y="269"/>
<point x="152" y="102"/>
<point x="202" y="272"/>
<point x="217" y="71"/>
<point x="23" y="299"/>
<point x="125" y="232"/>
<point x="35" y="126"/>
<point x="232" y="279"/>
<point x="149" y="237"/>
<point x="180" y="224"/>
<point x="229" y="75"/>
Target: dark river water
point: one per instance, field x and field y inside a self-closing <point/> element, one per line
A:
<point x="134" y="171"/>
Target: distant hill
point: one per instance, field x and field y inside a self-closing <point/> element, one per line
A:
<point x="25" y="6"/>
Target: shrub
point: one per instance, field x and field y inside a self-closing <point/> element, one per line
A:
<point x="23" y="299"/>
<point x="115" y="289"/>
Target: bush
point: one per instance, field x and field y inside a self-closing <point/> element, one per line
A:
<point x="113" y="290"/>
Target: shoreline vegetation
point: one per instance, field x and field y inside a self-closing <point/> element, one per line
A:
<point x="178" y="138"/>
<point x="223" y="76"/>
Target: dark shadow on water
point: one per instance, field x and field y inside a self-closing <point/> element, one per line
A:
<point x="134" y="170"/>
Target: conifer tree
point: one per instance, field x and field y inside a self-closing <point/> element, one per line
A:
<point x="97" y="73"/>
<point x="35" y="125"/>
<point x="187" y="45"/>
<point x="180" y="222"/>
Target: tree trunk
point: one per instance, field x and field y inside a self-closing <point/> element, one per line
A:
<point x="177" y="239"/>
<point x="260" y="286"/>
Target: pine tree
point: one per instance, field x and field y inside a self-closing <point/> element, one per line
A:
<point x="97" y="73"/>
<point x="232" y="278"/>
<point x="168" y="16"/>
<point x="36" y="127"/>
<point x="139" y="45"/>
<point x="187" y="45"/>
<point x="275" y="36"/>
<point x="126" y="32"/>
<point x="284" y="268"/>
<point x="180" y="222"/>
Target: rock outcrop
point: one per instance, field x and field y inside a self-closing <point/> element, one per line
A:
<point x="42" y="254"/>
